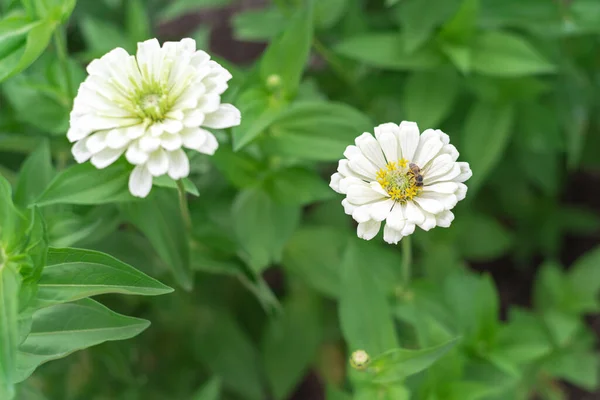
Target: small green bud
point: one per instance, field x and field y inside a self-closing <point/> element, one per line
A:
<point x="273" y="81"/>
<point x="359" y="359"/>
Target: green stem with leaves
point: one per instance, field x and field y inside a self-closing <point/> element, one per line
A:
<point x="60" y="45"/>
<point x="183" y="206"/>
<point x="406" y="261"/>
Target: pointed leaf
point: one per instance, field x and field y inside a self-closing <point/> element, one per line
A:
<point x="287" y="56"/>
<point x="62" y="329"/>
<point x="36" y="173"/>
<point x="159" y="218"/>
<point x="365" y="315"/>
<point x="210" y="391"/>
<point x="486" y="135"/>
<point x="73" y="274"/>
<point x="385" y="50"/>
<point x="84" y="184"/>
<point x="506" y="54"/>
<point x="397" y="364"/>
<point x="10" y="280"/>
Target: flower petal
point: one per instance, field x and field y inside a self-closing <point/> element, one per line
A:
<point x="80" y="151"/>
<point x="368" y="230"/>
<point x="179" y="165"/>
<point x="429" y="222"/>
<point x="334" y="183"/>
<point x="106" y="157"/>
<point x="391" y="235"/>
<point x="413" y="213"/>
<point x="96" y="142"/>
<point x="362" y="194"/>
<point x="430" y="205"/>
<point x="409" y="139"/>
<point x="135" y="155"/>
<point x="381" y="209"/>
<point x="210" y="145"/>
<point x="225" y="116"/>
<point x="427" y="150"/>
<point x="465" y="172"/>
<point x="140" y="181"/>
<point x="117" y="138"/>
<point x="396" y="218"/>
<point x="149" y="143"/>
<point x="171" y="142"/>
<point x="444" y="219"/>
<point x="158" y="163"/>
<point x="371" y="149"/>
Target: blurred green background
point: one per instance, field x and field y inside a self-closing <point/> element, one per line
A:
<point x="515" y="85"/>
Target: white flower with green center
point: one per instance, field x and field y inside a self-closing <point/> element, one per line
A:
<point x="401" y="177"/>
<point x="150" y="107"/>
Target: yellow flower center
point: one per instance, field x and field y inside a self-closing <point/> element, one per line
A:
<point x="398" y="181"/>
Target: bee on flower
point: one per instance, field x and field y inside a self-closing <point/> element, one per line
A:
<point x="402" y="177"/>
<point x="149" y="108"/>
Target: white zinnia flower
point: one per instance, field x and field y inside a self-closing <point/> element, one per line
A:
<point x="148" y="107"/>
<point x="402" y="178"/>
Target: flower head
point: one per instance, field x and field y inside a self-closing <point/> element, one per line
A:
<point x="149" y="107"/>
<point x="401" y="177"/>
<point x="359" y="359"/>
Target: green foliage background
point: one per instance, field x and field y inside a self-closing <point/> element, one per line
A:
<point x="272" y="282"/>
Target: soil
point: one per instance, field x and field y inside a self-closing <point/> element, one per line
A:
<point x="514" y="284"/>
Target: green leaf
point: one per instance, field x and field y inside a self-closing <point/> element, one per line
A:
<point x="287" y="55"/>
<point x="297" y="186"/>
<point x="241" y="169"/>
<point x="551" y="287"/>
<point x="103" y="36"/>
<point x="227" y="351"/>
<point x="165" y="230"/>
<point x="262" y="227"/>
<point x="579" y="368"/>
<point x="36" y="173"/>
<point x="85" y="184"/>
<point x="482" y="238"/>
<point x="584" y="278"/>
<point x="290" y="343"/>
<point x="428" y="97"/>
<point x="328" y="13"/>
<point x="73" y="274"/>
<point x="419" y="18"/>
<point x="314" y="253"/>
<point x="485" y="137"/>
<point x="60" y="330"/>
<point x="385" y="50"/>
<point x="209" y="391"/>
<point x="462" y="26"/>
<point x="259" y="112"/>
<point x="10" y="281"/>
<point x="473" y="307"/>
<point x="331" y="393"/>
<point x="38" y="37"/>
<point x="137" y="21"/>
<point x="397" y="364"/>
<point x="459" y="55"/>
<point x="11" y="221"/>
<point x="258" y="25"/>
<point x="507" y="55"/>
<point x="178" y="8"/>
<point x="316" y="130"/>
<point x="365" y="316"/>
<point x="167" y="182"/>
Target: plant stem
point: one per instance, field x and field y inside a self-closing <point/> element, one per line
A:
<point x="63" y="57"/>
<point x="183" y="205"/>
<point x="332" y="60"/>
<point x="406" y="261"/>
